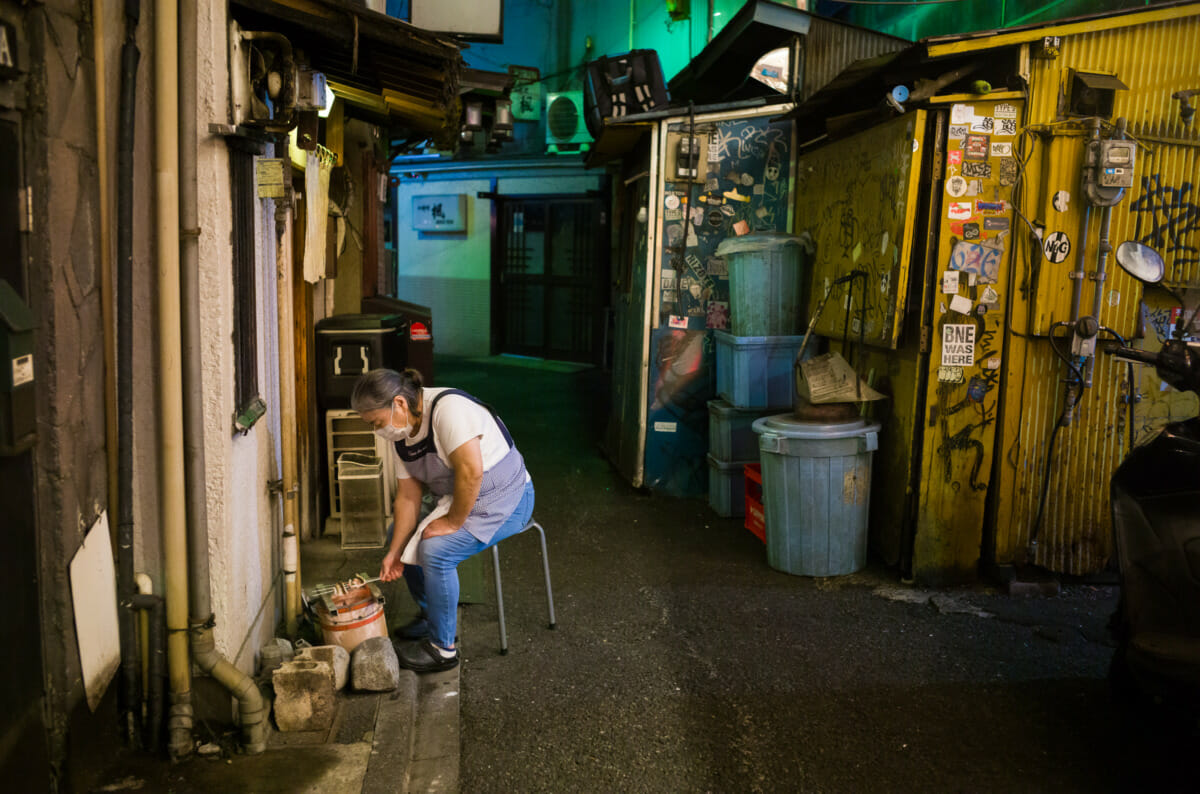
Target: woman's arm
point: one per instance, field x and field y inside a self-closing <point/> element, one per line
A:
<point x="405" y="509"/>
<point x="467" y="462"/>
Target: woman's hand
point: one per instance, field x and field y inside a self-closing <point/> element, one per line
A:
<point x="392" y="568"/>
<point x="438" y="526"/>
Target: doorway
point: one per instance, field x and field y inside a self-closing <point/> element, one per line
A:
<point x="550" y="277"/>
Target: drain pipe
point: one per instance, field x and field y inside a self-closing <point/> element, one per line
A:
<point x="125" y="141"/>
<point x="169" y="375"/>
<point x="152" y="612"/>
<point x="204" y="649"/>
<point x="287" y="406"/>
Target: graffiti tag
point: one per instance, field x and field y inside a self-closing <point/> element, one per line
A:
<point x="1169" y="215"/>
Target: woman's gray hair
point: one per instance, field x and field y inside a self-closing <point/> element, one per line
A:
<point x="376" y="389"/>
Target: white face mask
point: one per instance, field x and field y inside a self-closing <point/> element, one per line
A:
<point x="389" y="432"/>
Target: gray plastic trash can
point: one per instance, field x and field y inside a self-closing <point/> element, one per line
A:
<point x="816" y="481"/>
<point x="765" y="276"/>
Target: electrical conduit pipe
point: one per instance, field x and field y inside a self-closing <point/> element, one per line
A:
<point x="125" y="143"/>
<point x="251" y="708"/>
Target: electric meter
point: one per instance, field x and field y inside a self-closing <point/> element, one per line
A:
<point x="1115" y="168"/>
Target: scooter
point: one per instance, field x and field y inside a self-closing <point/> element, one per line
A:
<point x="1155" y="495"/>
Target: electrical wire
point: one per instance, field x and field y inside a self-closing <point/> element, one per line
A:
<point x="1035" y="530"/>
<point x="1063" y="419"/>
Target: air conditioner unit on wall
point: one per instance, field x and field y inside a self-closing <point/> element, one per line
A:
<point x="565" y="127"/>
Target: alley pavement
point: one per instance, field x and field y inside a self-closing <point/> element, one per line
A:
<point x="682" y="662"/>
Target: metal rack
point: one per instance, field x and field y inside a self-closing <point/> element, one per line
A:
<point x="346" y="432"/>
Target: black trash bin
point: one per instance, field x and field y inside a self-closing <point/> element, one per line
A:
<point x="417" y="333"/>
<point x="349" y="345"/>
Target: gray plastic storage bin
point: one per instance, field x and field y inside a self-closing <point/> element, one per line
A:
<point x="757" y="371"/>
<point x="727" y="487"/>
<point x="730" y="435"/>
<point x="816" y="481"/>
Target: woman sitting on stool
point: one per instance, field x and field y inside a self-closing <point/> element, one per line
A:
<point x="457" y="447"/>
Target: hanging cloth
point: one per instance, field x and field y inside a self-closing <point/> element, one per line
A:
<point x="316" y="201"/>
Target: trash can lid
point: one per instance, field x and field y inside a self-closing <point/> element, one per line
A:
<point x="789" y="426"/>
<point x="341" y="323"/>
<point x="761" y="241"/>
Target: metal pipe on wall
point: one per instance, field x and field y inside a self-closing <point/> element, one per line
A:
<point x="199" y="595"/>
<point x="152" y="612"/>
<point x="1078" y="274"/>
<point x="107" y="289"/>
<point x="287" y="407"/>
<point x="201" y="621"/>
<point x="169" y="376"/>
<point x="125" y="582"/>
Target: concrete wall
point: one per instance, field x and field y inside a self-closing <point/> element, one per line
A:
<point x="452" y="273"/>
<point x="243" y="519"/>
<point x="70" y="458"/>
<point x="64" y="289"/>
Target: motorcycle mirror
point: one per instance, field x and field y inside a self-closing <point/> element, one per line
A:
<point x="1141" y="261"/>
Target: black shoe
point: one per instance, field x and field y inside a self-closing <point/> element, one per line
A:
<point x="423" y="657"/>
<point x="416" y="629"/>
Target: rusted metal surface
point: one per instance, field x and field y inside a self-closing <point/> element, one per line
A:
<point x="831" y="46"/>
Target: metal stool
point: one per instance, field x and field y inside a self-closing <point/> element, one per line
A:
<point x="500" y="592"/>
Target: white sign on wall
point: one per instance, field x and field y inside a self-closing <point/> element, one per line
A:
<point x="443" y="213"/>
<point x="958" y="345"/>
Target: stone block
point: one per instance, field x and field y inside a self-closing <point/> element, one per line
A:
<point x="275" y="653"/>
<point x="374" y="666"/>
<point x="304" y="695"/>
<point x="337" y="657"/>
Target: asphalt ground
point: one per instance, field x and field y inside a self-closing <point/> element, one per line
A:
<point x="682" y="662"/>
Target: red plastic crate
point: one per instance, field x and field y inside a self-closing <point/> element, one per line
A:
<point x="755" y="518"/>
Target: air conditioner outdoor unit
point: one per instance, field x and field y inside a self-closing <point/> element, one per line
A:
<point x="565" y="127"/>
<point x="263" y="79"/>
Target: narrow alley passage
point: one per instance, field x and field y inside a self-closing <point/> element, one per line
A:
<point x="682" y="662"/>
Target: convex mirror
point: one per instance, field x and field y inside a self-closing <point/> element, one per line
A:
<point x="1141" y="261"/>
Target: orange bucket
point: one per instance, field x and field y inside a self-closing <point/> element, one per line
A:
<point x="350" y="617"/>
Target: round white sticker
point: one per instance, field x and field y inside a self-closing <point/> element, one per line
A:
<point x="956" y="186"/>
<point x="672" y="201"/>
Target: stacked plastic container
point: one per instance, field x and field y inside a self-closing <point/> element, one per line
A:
<point x="754" y="358"/>
<point x="732" y="444"/>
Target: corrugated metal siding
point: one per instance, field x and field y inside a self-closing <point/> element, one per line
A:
<point x="1075" y="536"/>
<point x="1154" y="60"/>
<point x="830" y="47"/>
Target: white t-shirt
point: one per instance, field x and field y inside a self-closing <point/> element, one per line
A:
<point x="457" y="420"/>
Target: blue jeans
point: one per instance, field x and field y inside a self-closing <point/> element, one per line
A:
<point x="434" y="583"/>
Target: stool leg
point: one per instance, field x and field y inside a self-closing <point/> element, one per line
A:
<point x="499" y="600"/>
<point x="546" y="569"/>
